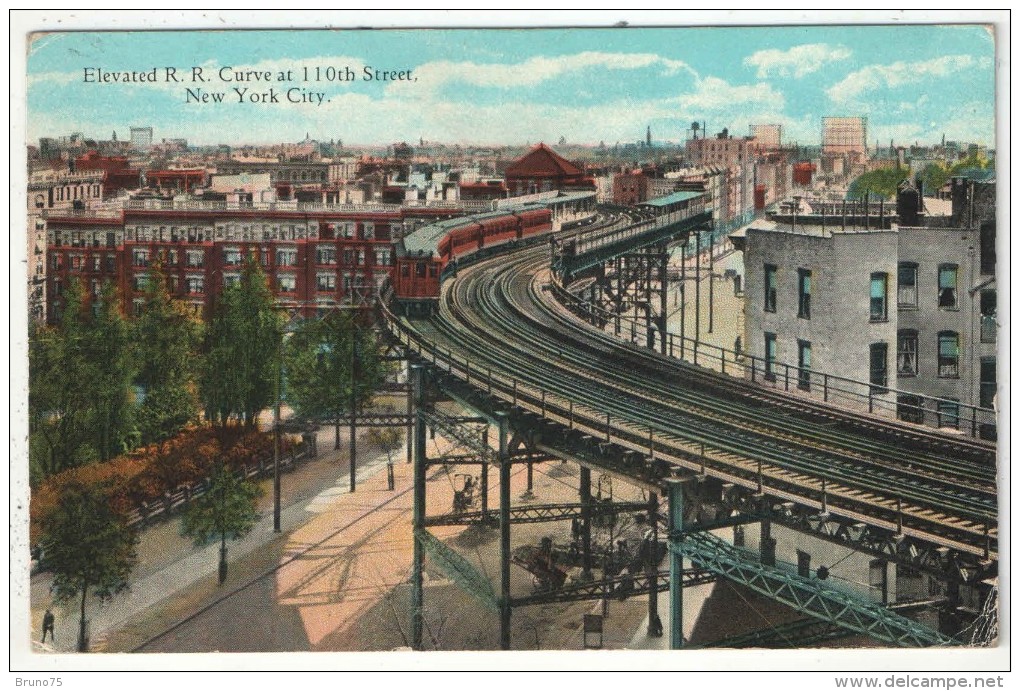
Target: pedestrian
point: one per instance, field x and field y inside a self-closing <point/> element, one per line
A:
<point x="47" y="625"/>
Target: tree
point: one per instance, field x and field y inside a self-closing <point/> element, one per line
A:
<point x="166" y="339"/>
<point x="88" y="547"/>
<point x="319" y="361"/>
<point x="225" y="510"/>
<point x="80" y="373"/>
<point x="242" y="349"/>
<point x="389" y="439"/>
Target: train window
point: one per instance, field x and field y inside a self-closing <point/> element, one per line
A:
<point x="420" y="269"/>
<point x="432" y="271"/>
<point x="405" y="271"/>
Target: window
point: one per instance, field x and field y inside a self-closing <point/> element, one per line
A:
<point x="382" y="258"/>
<point x="97" y="263"/>
<point x="140" y="257"/>
<point x="988" y="311"/>
<point x="879" y="284"/>
<point x="906" y="285"/>
<point x="325" y="281"/>
<point x="906" y="353"/>
<point x="770" y="288"/>
<point x="949" y="413"/>
<point x="804" y="365"/>
<point x="804" y="293"/>
<point x="770" y="355"/>
<point x="988" y="249"/>
<point x="286" y="283"/>
<point x="171" y="258"/>
<point x="195" y="259"/>
<point x="909" y="408"/>
<point x="195" y="285"/>
<point x="326" y="256"/>
<point x="286" y="257"/>
<point x="368" y="231"/>
<point x="879" y="370"/>
<point x="947" y="286"/>
<point x="987" y="392"/>
<point x="140" y="282"/>
<point x="111" y="263"/>
<point x="949" y="354"/>
<point x="419" y="269"/>
<point x="231" y="256"/>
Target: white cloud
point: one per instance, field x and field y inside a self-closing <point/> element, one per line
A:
<point x="713" y="93"/>
<point x="899" y="74"/>
<point x="432" y="75"/>
<point x="797" y="61"/>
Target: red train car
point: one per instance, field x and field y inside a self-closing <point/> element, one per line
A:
<point x="431" y="253"/>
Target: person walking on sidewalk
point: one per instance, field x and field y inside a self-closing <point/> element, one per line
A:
<point x="47" y="625"/>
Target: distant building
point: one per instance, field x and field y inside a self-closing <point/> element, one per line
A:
<point x="769" y="136"/>
<point x="721" y="150"/>
<point x="845" y="136"/>
<point x="141" y="138"/>
<point x="542" y="170"/>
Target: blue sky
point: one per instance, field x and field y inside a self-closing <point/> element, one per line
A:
<point x="913" y="83"/>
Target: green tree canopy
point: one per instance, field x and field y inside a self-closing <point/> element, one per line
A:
<point x="225" y="511"/>
<point x="242" y="350"/>
<point x="166" y="340"/>
<point x="318" y="360"/>
<point x="80" y="373"/>
<point x="88" y="547"/>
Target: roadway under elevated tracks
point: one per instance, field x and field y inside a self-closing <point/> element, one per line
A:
<point x="917" y="498"/>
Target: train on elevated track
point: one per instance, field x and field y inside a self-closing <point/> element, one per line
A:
<point x="432" y="253"/>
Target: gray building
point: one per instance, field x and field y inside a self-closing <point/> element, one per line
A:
<point x="899" y="319"/>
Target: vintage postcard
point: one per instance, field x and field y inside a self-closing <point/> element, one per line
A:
<point x="677" y="338"/>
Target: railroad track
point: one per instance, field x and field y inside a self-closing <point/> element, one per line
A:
<point x="498" y="316"/>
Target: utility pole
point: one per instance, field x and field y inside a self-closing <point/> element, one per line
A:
<point x="353" y="404"/>
<point x="276" y="439"/>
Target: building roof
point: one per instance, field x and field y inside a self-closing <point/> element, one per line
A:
<point x="672" y="198"/>
<point x="542" y="162"/>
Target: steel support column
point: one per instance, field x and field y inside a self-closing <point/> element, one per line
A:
<point x="663" y="300"/>
<point x="354" y="412"/>
<point x="417" y="585"/>
<point x="676" y="565"/>
<point x="652" y="566"/>
<point x="586" y="521"/>
<point x="484" y="489"/>
<point x="410" y="412"/>
<point x="504" y="534"/>
<point x="767" y="544"/>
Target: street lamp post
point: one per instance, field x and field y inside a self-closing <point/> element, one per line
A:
<point x="353" y="403"/>
<point x="276" y="440"/>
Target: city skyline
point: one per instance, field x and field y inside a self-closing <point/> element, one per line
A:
<point x="586" y="85"/>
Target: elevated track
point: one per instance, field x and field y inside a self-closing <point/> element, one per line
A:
<point x="500" y="325"/>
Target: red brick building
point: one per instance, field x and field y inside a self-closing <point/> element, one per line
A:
<point x="180" y="180"/>
<point x="542" y="170"/>
<point x="313" y="260"/>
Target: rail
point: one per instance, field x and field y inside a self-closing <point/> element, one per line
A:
<point x="905" y="406"/>
<point x="600" y="424"/>
<point x="602" y="239"/>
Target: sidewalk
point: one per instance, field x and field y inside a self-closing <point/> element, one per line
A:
<point x="169" y="563"/>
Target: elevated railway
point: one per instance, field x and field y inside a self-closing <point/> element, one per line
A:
<point x="500" y="320"/>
